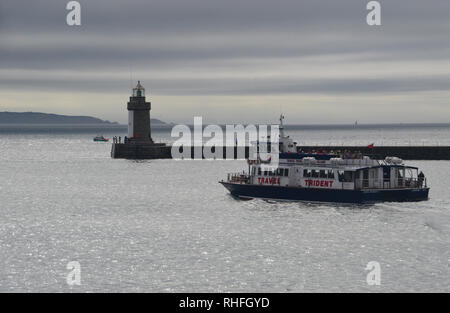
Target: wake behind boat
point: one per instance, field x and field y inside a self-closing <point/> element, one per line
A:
<point x="328" y="177"/>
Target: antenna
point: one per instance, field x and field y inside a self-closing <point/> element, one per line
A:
<point x="131" y="76"/>
<point x="281" y="114"/>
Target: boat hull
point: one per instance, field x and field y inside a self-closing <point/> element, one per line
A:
<point x="326" y="195"/>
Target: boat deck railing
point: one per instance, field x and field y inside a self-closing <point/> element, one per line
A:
<point x="240" y="178"/>
<point x="398" y="183"/>
<point x="359" y="184"/>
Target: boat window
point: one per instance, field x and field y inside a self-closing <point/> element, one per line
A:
<point x="306" y="173"/>
<point x="286" y="172"/>
<point x="323" y="174"/>
<point x="314" y="173"/>
<point x="265" y="173"/>
<point x="259" y="171"/>
<point x="348" y="176"/>
<point x="330" y="174"/>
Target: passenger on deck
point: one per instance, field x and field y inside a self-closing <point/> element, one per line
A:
<point x="420" y="179"/>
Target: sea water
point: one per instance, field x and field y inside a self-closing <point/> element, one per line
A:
<point x="169" y="226"/>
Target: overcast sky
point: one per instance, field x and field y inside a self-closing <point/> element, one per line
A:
<point x="229" y="60"/>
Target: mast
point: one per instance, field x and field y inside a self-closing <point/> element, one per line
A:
<point x="281" y="126"/>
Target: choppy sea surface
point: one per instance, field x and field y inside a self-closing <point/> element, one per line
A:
<point x="168" y="226"/>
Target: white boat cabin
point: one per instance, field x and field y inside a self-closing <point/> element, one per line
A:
<point x="336" y="173"/>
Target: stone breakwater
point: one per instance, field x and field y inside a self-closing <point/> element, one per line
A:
<point x="380" y="152"/>
<point x="162" y="151"/>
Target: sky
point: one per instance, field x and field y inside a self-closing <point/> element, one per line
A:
<point x="229" y="61"/>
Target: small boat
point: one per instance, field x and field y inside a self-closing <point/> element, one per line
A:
<point x="327" y="177"/>
<point x="101" y="138"/>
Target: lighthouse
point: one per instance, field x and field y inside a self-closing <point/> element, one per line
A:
<point x="139" y="116"/>
<point x="139" y="143"/>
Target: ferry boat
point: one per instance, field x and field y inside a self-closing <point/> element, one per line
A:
<point x="100" y="138"/>
<point x="328" y="177"/>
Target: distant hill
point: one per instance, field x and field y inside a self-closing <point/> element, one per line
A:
<point x="154" y="121"/>
<point x="46" y="118"/>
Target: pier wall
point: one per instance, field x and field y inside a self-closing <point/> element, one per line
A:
<point x="140" y="151"/>
<point x="380" y="152"/>
<point x="162" y="151"/>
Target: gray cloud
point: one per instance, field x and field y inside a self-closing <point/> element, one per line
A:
<point x="218" y="47"/>
<point x="234" y="86"/>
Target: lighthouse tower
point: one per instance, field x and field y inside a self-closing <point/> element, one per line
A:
<point x="139" y="116"/>
<point x="139" y="143"/>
